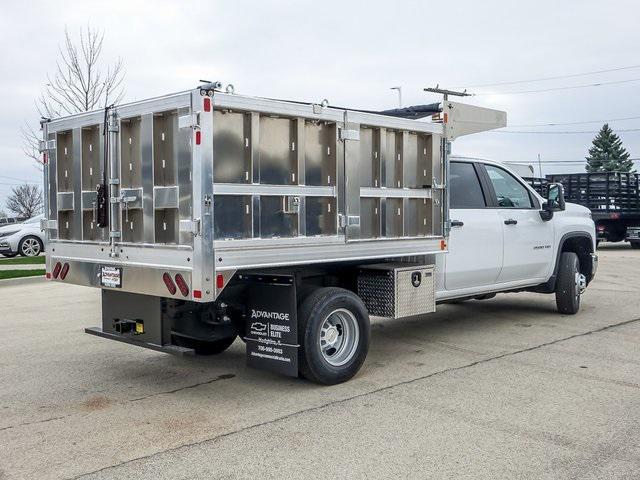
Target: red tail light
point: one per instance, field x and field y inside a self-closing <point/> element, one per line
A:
<point x="197" y="294"/>
<point x="65" y="270"/>
<point x="207" y="104"/>
<point x="198" y="137"/>
<point x="219" y="281"/>
<point x="182" y="285"/>
<point x="166" y="278"/>
<point x="56" y="270"/>
<point x="48" y="275"/>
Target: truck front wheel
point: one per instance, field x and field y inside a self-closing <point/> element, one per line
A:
<point x="570" y="285"/>
<point x="333" y="332"/>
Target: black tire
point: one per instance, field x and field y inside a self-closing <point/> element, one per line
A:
<point x="30" y="246"/>
<point x="487" y="296"/>
<point x="9" y="255"/>
<point x="319" y="309"/>
<point x="635" y="245"/>
<point x="203" y="347"/>
<point x="567" y="289"/>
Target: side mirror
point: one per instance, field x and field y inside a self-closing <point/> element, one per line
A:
<point x="555" y="201"/>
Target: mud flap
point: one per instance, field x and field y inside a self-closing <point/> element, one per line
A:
<point x="272" y="323"/>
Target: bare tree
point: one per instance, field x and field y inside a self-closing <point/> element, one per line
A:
<point x="81" y="83"/>
<point x="25" y="200"/>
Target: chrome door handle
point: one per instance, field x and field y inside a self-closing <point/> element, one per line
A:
<point x="456" y="223"/>
<point x="510" y="221"/>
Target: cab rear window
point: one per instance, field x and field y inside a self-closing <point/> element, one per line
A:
<point x="466" y="191"/>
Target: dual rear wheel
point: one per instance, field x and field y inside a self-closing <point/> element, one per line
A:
<point x="333" y="333"/>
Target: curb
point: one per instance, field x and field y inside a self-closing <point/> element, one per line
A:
<point x="10" y="282"/>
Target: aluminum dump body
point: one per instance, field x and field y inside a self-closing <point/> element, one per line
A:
<point x="204" y="184"/>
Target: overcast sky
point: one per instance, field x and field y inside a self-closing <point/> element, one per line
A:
<point x="350" y="53"/>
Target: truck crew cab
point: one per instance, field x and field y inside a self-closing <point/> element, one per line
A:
<point x="205" y="215"/>
<point x="506" y="237"/>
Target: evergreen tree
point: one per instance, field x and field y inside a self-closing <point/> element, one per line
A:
<point x="607" y="153"/>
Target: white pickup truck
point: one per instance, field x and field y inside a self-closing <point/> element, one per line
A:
<point x="205" y="215"/>
<point x="505" y="237"/>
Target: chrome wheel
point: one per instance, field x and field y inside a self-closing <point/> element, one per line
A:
<point x="581" y="283"/>
<point x="339" y="337"/>
<point x="30" y="247"/>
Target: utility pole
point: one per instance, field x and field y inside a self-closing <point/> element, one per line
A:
<point x="539" y="165"/>
<point x="399" y="89"/>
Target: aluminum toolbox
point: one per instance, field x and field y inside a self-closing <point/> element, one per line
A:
<point x="396" y="290"/>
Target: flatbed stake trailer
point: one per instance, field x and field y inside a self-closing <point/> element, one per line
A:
<point x="205" y="215"/>
<point x="612" y="197"/>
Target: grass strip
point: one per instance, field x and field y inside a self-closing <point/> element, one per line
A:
<point x="23" y="260"/>
<point x="6" y="274"/>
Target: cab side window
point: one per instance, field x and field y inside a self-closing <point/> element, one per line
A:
<point x="510" y="193"/>
<point x="466" y="191"/>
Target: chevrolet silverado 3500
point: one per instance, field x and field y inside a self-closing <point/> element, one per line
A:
<point x="204" y="216"/>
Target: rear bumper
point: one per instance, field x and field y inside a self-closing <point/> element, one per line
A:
<point x="7" y="246"/>
<point x="145" y="280"/>
<point x="142" y="268"/>
<point x="633" y="235"/>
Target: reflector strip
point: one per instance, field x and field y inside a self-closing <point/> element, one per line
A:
<point x="219" y="281"/>
<point x="207" y="104"/>
<point x="198" y="137"/>
<point x="56" y="270"/>
<point x="197" y="294"/>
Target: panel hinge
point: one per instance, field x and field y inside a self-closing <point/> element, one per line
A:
<point x="44" y="145"/>
<point x="437" y="186"/>
<point x="48" y="224"/>
<point x="348" y="134"/>
<point x="123" y="199"/>
<point x="348" y="220"/>
<point x="190" y="226"/>
<point x="186" y="121"/>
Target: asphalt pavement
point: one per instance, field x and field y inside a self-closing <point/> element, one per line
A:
<point x="502" y="388"/>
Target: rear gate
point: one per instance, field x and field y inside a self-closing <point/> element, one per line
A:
<point x="153" y="151"/>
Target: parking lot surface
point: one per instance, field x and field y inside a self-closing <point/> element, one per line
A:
<point x="503" y="388"/>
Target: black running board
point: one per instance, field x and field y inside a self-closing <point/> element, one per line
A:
<point x="171" y="349"/>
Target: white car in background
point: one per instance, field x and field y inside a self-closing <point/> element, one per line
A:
<point x="24" y="238"/>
